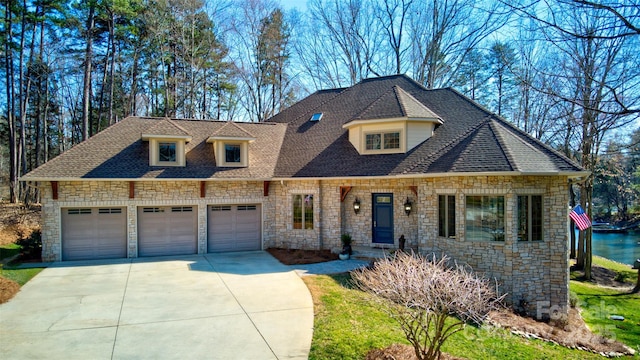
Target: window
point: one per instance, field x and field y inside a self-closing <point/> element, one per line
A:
<point x="383" y="141"/>
<point x="232" y="153"/>
<point x="446" y="215"/>
<point x="303" y="211"/>
<point x="530" y="218"/>
<point x="485" y="218"/>
<point x="167" y="152"/>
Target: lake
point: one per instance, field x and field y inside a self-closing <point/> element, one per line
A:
<point x="624" y="248"/>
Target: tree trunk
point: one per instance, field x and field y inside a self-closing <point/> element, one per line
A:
<point x="10" y="91"/>
<point x="88" y="59"/>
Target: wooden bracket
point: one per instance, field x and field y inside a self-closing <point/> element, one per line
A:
<point x="132" y="189"/>
<point x="203" y="189"/>
<point x="414" y="189"/>
<point x="344" y="190"/>
<point x="54" y="190"/>
<point x="265" y="187"/>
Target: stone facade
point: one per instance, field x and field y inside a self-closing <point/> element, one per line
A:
<point x="532" y="273"/>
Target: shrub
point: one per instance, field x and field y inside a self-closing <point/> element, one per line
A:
<point x="31" y="246"/>
<point x="421" y="294"/>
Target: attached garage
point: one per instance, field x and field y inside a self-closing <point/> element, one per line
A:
<point x="94" y="233"/>
<point x="234" y="228"/>
<point x="167" y="230"/>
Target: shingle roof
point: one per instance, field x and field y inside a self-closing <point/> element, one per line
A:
<point x="469" y="140"/>
<point x="232" y="130"/>
<point x="118" y="152"/>
<point x="396" y="103"/>
<point x="167" y="127"/>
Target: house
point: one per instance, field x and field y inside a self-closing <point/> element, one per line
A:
<point x="383" y="158"/>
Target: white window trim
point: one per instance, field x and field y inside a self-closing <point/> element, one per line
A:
<point x="154" y="152"/>
<point x="399" y="150"/>
<point x="219" y="149"/>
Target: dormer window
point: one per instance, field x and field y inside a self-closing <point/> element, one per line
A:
<point x="383" y="141"/>
<point x="167" y="143"/>
<point x="231" y="145"/>
<point x="394" y="123"/>
<point x="167" y="152"/>
<point x="232" y="153"/>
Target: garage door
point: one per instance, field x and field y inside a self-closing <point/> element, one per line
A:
<point x="168" y="230"/>
<point x="234" y="228"/>
<point x="94" y="233"/>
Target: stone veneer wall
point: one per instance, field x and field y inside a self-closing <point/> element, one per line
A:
<point x="535" y="273"/>
<point x="147" y="193"/>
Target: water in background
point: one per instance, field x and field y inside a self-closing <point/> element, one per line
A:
<point x="624" y="248"/>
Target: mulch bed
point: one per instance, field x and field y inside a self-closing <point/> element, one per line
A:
<point x="8" y="288"/>
<point x="298" y="257"/>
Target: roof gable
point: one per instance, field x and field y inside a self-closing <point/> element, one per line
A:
<point x="166" y="127"/>
<point x="231" y="130"/>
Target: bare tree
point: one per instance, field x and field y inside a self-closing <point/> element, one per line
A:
<point x="445" y="32"/>
<point x="422" y="294"/>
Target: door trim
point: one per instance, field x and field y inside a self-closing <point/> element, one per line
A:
<point x="382" y="235"/>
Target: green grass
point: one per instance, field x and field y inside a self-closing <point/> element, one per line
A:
<point x="9" y="250"/>
<point x="598" y="304"/>
<point x="21" y="276"/>
<point x="625" y="270"/>
<point x="347" y="326"/>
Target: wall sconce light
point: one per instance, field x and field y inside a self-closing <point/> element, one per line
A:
<point x="408" y="207"/>
<point x="356" y="206"/>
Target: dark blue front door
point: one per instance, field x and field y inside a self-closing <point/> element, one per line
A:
<point x="382" y="218"/>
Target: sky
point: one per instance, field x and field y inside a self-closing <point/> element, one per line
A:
<point x="290" y="4"/>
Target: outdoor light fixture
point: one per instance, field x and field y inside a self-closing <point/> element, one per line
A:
<point x="408" y="206"/>
<point x="356" y="206"/>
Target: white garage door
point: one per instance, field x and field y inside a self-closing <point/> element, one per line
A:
<point x="234" y="228"/>
<point x="94" y="233"/>
<point x="167" y="230"/>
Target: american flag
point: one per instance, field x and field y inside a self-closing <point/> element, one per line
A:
<point x="579" y="217"/>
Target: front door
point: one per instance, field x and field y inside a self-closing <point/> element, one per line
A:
<point x="382" y="218"/>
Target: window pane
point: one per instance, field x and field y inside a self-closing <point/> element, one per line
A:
<point x="232" y="153"/>
<point x="297" y="211"/>
<point x="308" y="212"/>
<point x="536" y="217"/>
<point x="523" y="218"/>
<point x="485" y="218"/>
<point x="167" y="152"/>
<point x="373" y="141"/>
<point x="442" y="216"/>
<point x="392" y="140"/>
<point x="451" y="219"/>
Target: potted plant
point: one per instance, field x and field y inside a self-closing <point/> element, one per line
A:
<point x="346" y="247"/>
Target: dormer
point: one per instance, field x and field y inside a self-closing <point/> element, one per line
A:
<point x="167" y="143"/>
<point x="394" y="123"/>
<point x="231" y="145"/>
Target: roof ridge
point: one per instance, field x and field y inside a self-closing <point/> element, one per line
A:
<point x="401" y="93"/>
<point x="536" y="141"/>
<point x="453" y="142"/>
<point x="397" y="90"/>
<point x="374" y="102"/>
<point x="503" y="146"/>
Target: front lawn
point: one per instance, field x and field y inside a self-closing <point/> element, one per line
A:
<point x="346" y="326"/>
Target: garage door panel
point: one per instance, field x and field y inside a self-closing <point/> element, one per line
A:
<point x="234" y="228"/>
<point x="93" y="233"/>
<point x="167" y="231"/>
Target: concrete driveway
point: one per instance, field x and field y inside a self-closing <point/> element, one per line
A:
<point x="214" y="306"/>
